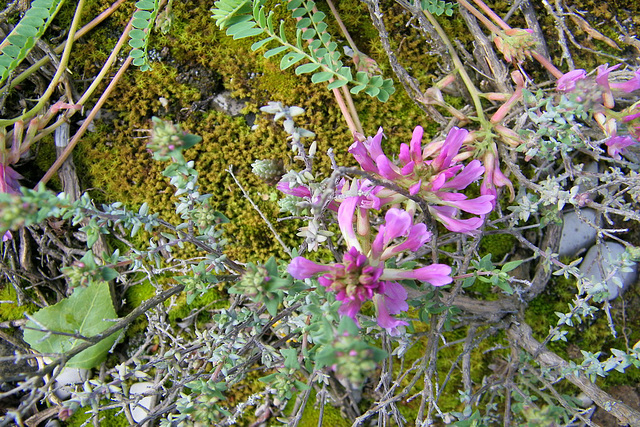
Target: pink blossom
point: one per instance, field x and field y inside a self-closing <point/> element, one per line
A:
<point x="630" y="85"/>
<point x="301" y="268"/>
<point x="362" y="277"/>
<point x="433" y="173"/>
<point x="435" y="274"/>
<point x="398" y="223"/>
<point x="297" y="190"/>
<point x="391" y="301"/>
<point x="617" y="144"/>
<point x="567" y="82"/>
<point x="446" y="215"/>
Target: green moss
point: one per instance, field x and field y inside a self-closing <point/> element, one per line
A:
<point x="498" y="245"/>
<point x="12" y="311"/>
<point x="107" y="418"/>
<point x="331" y="416"/>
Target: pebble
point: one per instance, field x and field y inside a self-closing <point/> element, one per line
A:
<point x="139" y="411"/>
<point x="67" y="380"/>
<point x="577" y="234"/>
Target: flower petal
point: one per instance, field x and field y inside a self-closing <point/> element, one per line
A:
<point x="301" y="268"/>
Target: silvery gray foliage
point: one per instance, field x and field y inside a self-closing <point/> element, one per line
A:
<point x="280" y="111"/>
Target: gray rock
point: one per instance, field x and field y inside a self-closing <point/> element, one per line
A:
<point x="607" y="258"/>
<point x="139" y="411"/>
<point x="67" y="379"/>
<point x="228" y="104"/>
<point x="577" y="234"/>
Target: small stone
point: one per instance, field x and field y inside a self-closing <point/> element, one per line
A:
<point x="607" y="256"/>
<point x="228" y="104"/>
<point x="67" y="379"/>
<point x="577" y="234"/>
<point x="140" y="410"/>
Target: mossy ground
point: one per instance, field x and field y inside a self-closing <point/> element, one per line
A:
<point x="196" y="60"/>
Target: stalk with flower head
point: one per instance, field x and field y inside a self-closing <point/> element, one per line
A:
<point x="362" y="275"/>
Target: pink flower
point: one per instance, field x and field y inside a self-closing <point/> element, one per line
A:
<point x="617" y="144"/>
<point x="630" y="85"/>
<point x="361" y="277"/>
<point x="398" y="223"/>
<point x="494" y="177"/>
<point x="567" y="82"/>
<point x="391" y="301"/>
<point x="296" y="190"/>
<point x="433" y="172"/>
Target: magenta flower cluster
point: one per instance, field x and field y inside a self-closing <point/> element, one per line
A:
<point x="362" y="277"/>
<point x="433" y="172"/>
<point x="603" y="89"/>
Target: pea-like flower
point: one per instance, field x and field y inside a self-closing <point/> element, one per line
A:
<point x="433" y="173"/>
<point x="362" y="277"/>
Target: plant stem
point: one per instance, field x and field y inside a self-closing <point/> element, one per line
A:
<point x="98" y="79"/>
<point x="76" y="138"/>
<point x="264" y="218"/>
<point x="460" y="69"/>
<point x="56" y="78"/>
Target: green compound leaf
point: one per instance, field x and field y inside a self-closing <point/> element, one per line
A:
<point x="87" y="312"/>
<point x="17" y="45"/>
<point x="143" y="21"/>
<point x="313" y="44"/>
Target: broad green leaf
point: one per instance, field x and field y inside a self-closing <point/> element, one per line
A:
<point x="372" y="91"/>
<point x="38" y="12"/>
<point x="309" y="33"/>
<point x="136" y="53"/>
<point x="257" y="45"/>
<point x="283" y="33"/>
<point x="290" y="59"/>
<point x="145" y="4"/>
<point x="322" y="76"/>
<point x="139" y="23"/>
<point x="336" y="84"/>
<point x="136" y="43"/>
<point x="275" y="51"/>
<point x="511" y="265"/>
<point x="303" y="23"/>
<point x="86" y="312"/>
<point x="307" y="68"/>
<point x="137" y="34"/>
<point x="318" y="16"/>
<point x="321" y="27"/>
<point x="357" y="89"/>
<point x="383" y="96"/>
<point x="293" y="4"/>
<point x="142" y="14"/>
<point x="248" y="33"/>
<point x="298" y="13"/>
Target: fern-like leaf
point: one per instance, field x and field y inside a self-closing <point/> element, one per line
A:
<point x="313" y="44"/>
<point x="17" y="45"/>
<point x="143" y="20"/>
